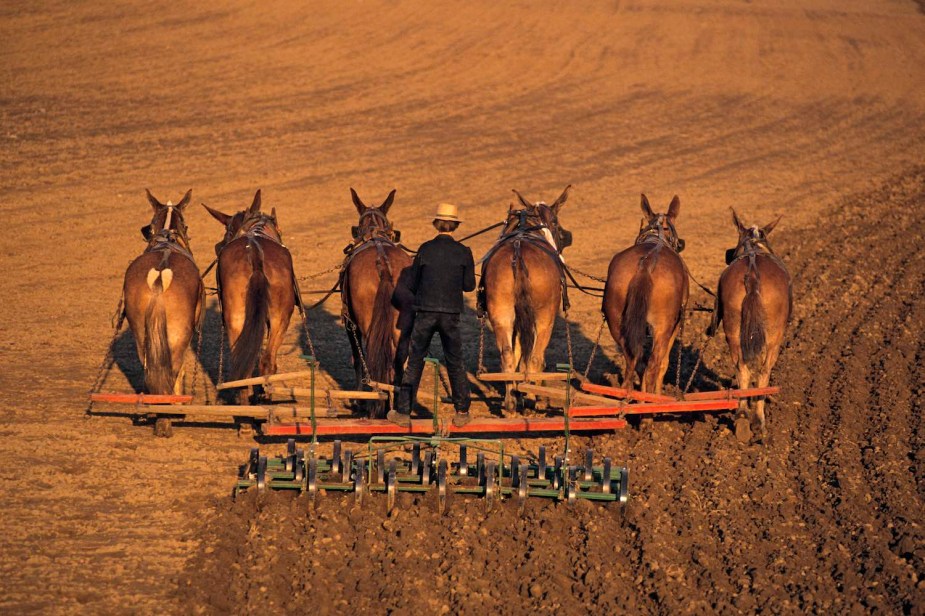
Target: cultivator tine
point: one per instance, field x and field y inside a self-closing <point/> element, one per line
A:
<point x="589" y="465"/>
<point x="415" y="458"/>
<point x="557" y="474"/>
<point x="347" y="466"/>
<point x="490" y="473"/>
<point x="541" y="463"/>
<point x="571" y="486"/>
<point x="624" y="485"/>
<point x="312" y="480"/>
<point x="605" y="477"/>
<point x="391" y="488"/>
<point x="290" y="455"/>
<point x="427" y="470"/>
<point x="359" y="482"/>
<point x="463" y="464"/>
<point x="480" y="467"/>
<point x="262" y="473"/>
<point x="252" y="461"/>
<point x="522" y="489"/>
<point x="299" y="466"/>
<point x="515" y="471"/>
<point x="441" y="487"/>
<point x="335" y="458"/>
<point x="380" y="466"/>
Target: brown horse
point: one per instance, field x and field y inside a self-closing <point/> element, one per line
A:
<point x="370" y="275"/>
<point x="523" y="283"/>
<point x="646" y="294"/>
<point x="256" y="286"/>
<point x="754" y="302"/>
<point x="163" y="299"/>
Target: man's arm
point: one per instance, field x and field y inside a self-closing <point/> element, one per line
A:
<point x="469" y="272"/>
<point x="414" y="278"/>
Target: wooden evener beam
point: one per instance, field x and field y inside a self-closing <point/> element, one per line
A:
<point x="558" y="393"/>
<point x="140" y="398"/>
<point x="512" y="377"/>
<point x="732" y="393"/>
<point x="619" y="392"/>
<point x="478" y="425"/>
<point x="649" y="408"/>
<point x="334" y="394"/>
<point x="264" y="380"/>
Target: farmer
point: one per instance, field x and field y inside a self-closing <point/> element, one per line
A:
<point x="442" y="270"/>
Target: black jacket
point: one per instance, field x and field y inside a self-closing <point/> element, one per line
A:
<point x="442" y="270"/>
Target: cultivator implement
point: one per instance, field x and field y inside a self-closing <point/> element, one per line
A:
<point x="313" y="413"/>
<point x="391" y="466"/>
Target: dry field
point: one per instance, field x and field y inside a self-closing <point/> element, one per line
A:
<point x="812" y="109"/>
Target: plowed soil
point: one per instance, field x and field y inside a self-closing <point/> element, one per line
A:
<point x="812" y="110"/>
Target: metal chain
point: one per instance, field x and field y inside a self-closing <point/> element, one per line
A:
<point x="680" y="341"/>
<point x="481" y="364"/>
<point x="697" y="365"/>
<point x="320" y="274"/>
<point x="348" y="322"/>
<point x="221" y="351"/>
<point x="308" y="336"/>
<point x="597" y="343"/>
<point x="568" y="342"/>
<point x="196" y="357"/>
<point x="118" y="318"/>
<point x="586" y="275"/>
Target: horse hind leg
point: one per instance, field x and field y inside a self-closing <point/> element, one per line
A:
<point x="510" y="356"/>
<point x="763" y="380"/>
<point x="659" y="359"/>
<point x="745" y="416"/>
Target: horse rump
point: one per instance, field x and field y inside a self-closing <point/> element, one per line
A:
<point x="159" y="376"/>
<point x="524" y="316"/>
<point x="752" y="337"/>
<point x="246" y="350"/>
<point x="380" y="352"/>
<point x="633" y="325"/>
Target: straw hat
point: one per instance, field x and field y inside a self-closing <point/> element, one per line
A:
<point x="447" y="211"/>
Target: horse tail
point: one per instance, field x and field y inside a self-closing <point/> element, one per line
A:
<point x="380" y="353"/>
<point x="159" y="377"/>
<point x="246" y="349"/>
<point x="524" y="316"/>
<point x="633" y="325"/>
<point x="752" y="337"/>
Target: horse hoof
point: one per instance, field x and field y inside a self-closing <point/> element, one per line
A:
<point x="163" y="428"/>
<point x="743" y="430"/>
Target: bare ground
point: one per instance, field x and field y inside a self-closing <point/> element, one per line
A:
<point x="811" y="110"/>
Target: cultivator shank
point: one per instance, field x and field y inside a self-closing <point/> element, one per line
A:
<point x="390" y="466"/>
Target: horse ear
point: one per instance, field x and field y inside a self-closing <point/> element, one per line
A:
<point x="361" y="207"/>
<point x="561" y="200"/>
<point x="737" y="222"/>
<point x="675" y="208"/>
<point x="523" y="201"/>
<point x="770" y="227"/>
<point x="646" y="208"/>
<point x="255" y="206"/>
<point x="185" y="200"/>
<point x="219" y="216"/>
<point x="154" y="202"/>
<point x="273" y="212"/>
<point x="388" y="202"/>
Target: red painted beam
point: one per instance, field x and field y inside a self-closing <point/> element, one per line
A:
<point x="373" y="427"/>
<point x="654" y="407"/>
<point x="732" y="393"/>
<point x="140" y="398"/>
<point x="619" y="392"/>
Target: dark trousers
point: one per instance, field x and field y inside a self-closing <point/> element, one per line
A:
<point x="425" y="325"/>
